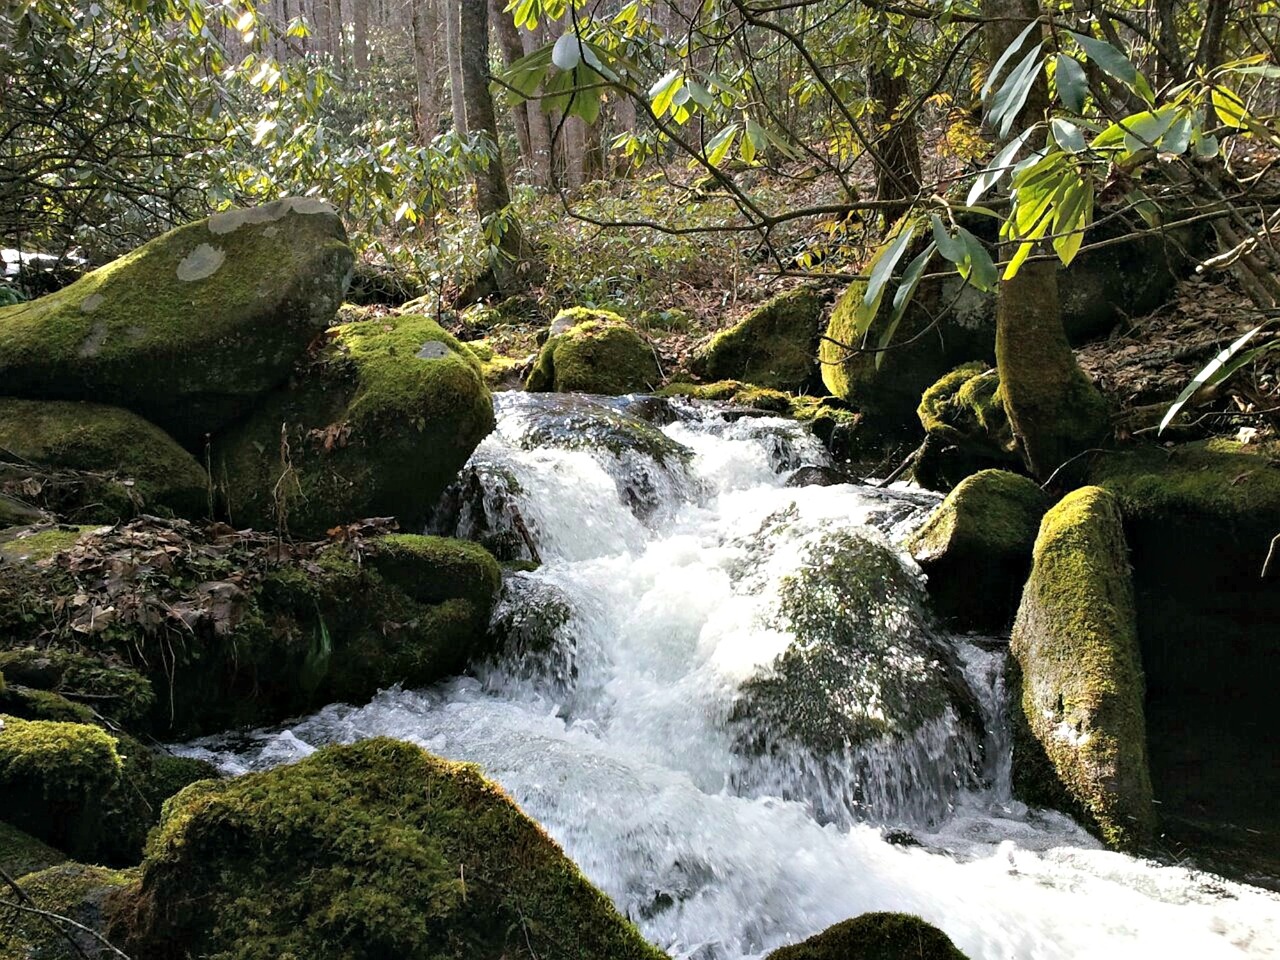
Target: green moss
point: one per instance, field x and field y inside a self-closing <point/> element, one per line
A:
<point x="435" y="569"/>
<point x="117" y="692"/>
<point x="976" y="547"/>
<point x="365" y="851"/>
<point x="35" y="544"/>
<point x="965" y="423"/>
<point x="732" y="391"/>
<point x="81" y="893"/>
<point x="378" y="424"/>
<point x="30" y="704"/>
<point x="775" y="346"/>
<point x="874" y="936"/>
<point x="21" y="853"/>
<point x="188" y="354"/>
<point x="1075" y="639"/>
<point x="593" y="351"/>
<point x="145" y="471"/>
<point x="53" y="777"/>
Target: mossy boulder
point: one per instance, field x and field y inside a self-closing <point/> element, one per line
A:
<point x="775" y="346"/>
<point x="191" y="329"/>
<point x="21" y="853"/>
<point x="732" y="391"/>
<point x="1200" y="520"/>
<point x="593" y="351"/>
<point x="231" y="629"/>
<point x="366" y="851"/>
<point x="73" y="890"/>
<point x="949" y="323"/>
<point x="377" y="422"/>
<point x="53" y="777"/>
<point x="874" y="936"/>
<point x="142" y="469"/>
<point x="966" y="427"/>
<point x="1075" y="640"/>
<point x="976" y="547"/>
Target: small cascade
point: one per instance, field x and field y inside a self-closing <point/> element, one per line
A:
<point x="725" y="697"/>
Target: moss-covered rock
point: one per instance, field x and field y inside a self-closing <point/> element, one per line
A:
<point x="21" y="853"/>
<point x="53" y="777"/>
<point x="73" y="890"/>
<point x="976" y="547"/>
<point x="190" y="329"/>
<point x="118" y="693"/>
<point x="874" y="936"/>
<point x="377" y="423"/>
<point x="1200" y="520"/>
<point x="965" y="425"/>
<point x="366" y="851"/>
<point x="593" y="351"/>
<point x="775" y="346"/>
<point x="234" y="628"/>
<point x="143" y="469"/>
<point x="1075" y="640"/>
<point x="732" y="391"/>
<point x="39" y="542"/>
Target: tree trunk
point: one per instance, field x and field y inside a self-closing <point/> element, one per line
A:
<point x="539" y="128"/>
<point x="425" y="23"/>
<point x="360" y="35"/>
<point x="452" y="10"/>
<point x="1054" y="409"/>
<point x="492" y="196"/>
<point x="1210" y="53"/>
<point x="898" y="169"/>
<point x="512" y="50"/>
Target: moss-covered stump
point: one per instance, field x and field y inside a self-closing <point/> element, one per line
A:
<point x="1200" y="520"/>
<point x="377" y="422"/>
<point x="965" y="425"/>
<point x="948" y="323"/>
<point x="593" y="351"/>
<point x="775" y="346"/>
<point x="141" y="468"/>
<point x="190" y="329"/>
<point x="73" y="890"/>
<point x="1076" y="644"/>
<point x="976" y="548"/>
<point x="874" y="936"/>
<point x="53" y="777"/>
<point x="366" y="851"/>
<point x="21" y="853"/>
<point x="232" y="629"/>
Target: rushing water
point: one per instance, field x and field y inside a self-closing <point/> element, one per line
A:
<point x="611" y="717"/>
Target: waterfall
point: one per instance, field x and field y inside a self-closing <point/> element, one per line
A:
<point x="725" y="698"/>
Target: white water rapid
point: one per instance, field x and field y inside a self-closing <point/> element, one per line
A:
<point x="620" y="730"/>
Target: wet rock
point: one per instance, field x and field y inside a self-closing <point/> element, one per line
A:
<point x="976" y="548"/>
<point x="1075" y="640"/>
<point x="427" y="858"/>
<point x="191" y="329"/>
<point x="531" y="631"/>
<point x="74" y="890"/>
<point x="874" y="936"/>
<point x="818" y="477"/>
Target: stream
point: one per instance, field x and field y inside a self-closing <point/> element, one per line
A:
<point x="637" y="711"/>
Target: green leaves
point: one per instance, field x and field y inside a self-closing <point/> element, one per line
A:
<point x="882" y="267"/>
<point x="1012" y="96"/>
<point x="997" y="168"/>
<point x="1115" y="65"/>
<point x="1071" y="83"/>
<point x="663" y="93"/>
<point x="1219" y="369"/>
<point x="1051" y="200"/>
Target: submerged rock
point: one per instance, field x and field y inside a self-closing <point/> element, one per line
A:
<point x="976" y="547"/>
<point x="366" y="851"/>
<point x="97" y="464"/>
<point x="775" y="346"/>
<point x="1076" y="645"/>
<point x="865" y="706"/>
<point x="190" y="329"/>
<point x="874" y="936"/>
<point x="593" y="351"/>
<point x="377" y="423"/>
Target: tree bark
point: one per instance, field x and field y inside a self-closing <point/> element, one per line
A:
<point x="512" y="50"/>
<point x="425" y="23"/>
<point x="539" y="128"/>
<point x="492" y="195"/>
<point x="898" y="177"/>
<point x="1209" y="54"/>
<point x="360" y="35"/>
<point x="1054" y="409"/>
<point x="452" y="10"/>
